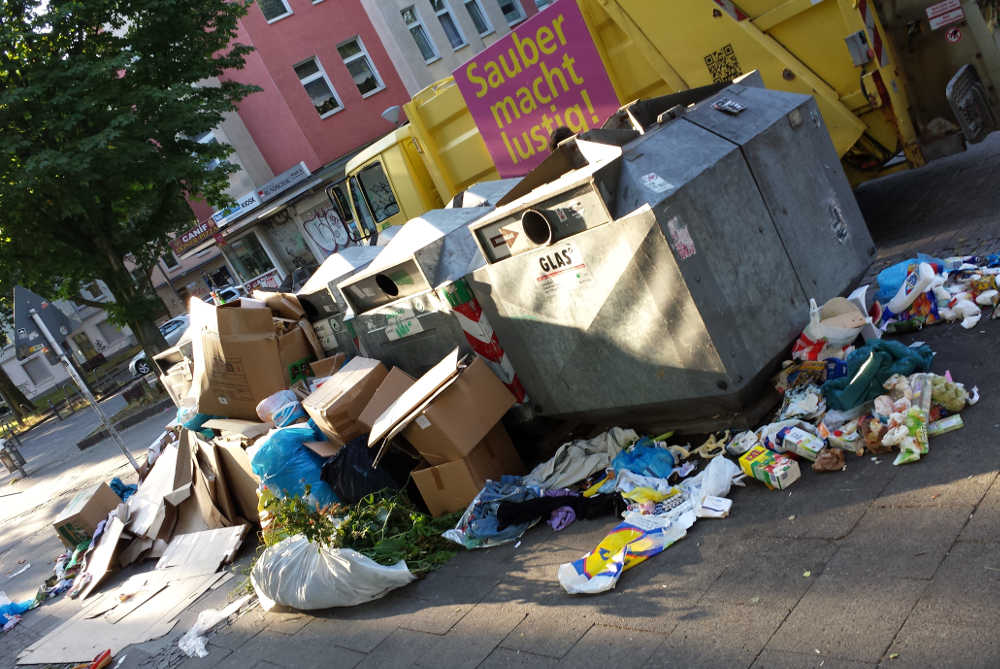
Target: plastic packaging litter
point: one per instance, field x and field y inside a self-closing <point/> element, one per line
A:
<point x="742" y="443"/>
<point x="645" y="458"/>
<point x="829" y="460"/>
<point x="805" y="402"/>
<point x="802" y="443"/>
<point x="915" y="284"/>
<point x="193" y="641"/>
<point x="800" y="373"/>
<point x="830" y="331"/>
<point x="770" y="435"/>
<point x="304" y="576"/>
<point x="950" y="395"/>
<point x="846" y="437"/>
<point x="282" y="408"/>
<point x="628" y="544"/>
<point x="945" y="425"/>
<point x="286" y="466"/>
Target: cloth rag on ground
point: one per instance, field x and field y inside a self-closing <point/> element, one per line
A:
<point x="479" y="527"/>
<point x="576" y="460"/>
<point x="518" y="513"/>
<point x="869" y="367"/>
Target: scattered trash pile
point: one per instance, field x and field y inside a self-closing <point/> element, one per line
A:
<point x="926" y="290"/>
<point x="362" y="478"/>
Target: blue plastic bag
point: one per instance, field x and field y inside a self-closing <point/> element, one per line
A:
<point x="891" y="278"/>
<point x="7" y="611"/>
<point x="646" y="459"/>
<point x="194" y="422"/>
<point x="286" y="465"/>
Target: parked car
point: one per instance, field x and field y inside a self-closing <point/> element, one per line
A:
<point x="171" y="331"/>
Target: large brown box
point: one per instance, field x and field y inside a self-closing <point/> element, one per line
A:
<point x="80" y="517"/>
<point x="336" y="405"/>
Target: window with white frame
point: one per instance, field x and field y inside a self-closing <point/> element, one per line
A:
<point x="451" y="29"/>
<point x="169" y="260"/>
<point x="361" y="67"/>
<point x="274" y="9"/>
<point x="512" y="11"/>
<point x="419" y="33"/>
<point x="318" y="86"/>
<point x="479" y="18"/>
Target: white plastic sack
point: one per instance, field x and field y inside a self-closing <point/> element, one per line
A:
<point x="304" y="576"/>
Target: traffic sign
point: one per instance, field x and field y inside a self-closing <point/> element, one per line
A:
<point x="27" y="339"/>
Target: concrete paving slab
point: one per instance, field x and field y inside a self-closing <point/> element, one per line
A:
<point x="474" y="637"/>
<point x="848" y="615"/>
<point x="925" y="644"/>
<point x="717" y="635"/>
<point x="985" y="522"/>
<point x="551" y="632"/>
<point x="402" y="648"/>
<point x="769" y="573"/>
<point x="966" y="588"/>
<point x="604" y="646"/>
<point x="776" y="659"/>
<point x="504" y="658"/>
<point x="878" y="545"/>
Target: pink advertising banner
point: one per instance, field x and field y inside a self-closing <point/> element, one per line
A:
<point x="544" y="75"/>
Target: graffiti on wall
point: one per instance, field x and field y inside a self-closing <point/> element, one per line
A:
<point x="324" y="227"/>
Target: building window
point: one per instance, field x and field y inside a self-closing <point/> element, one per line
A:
<point x="169" y="260"/>
<point x="248" y="257"/>
<point x="37" y="370"/>
<point x="512" y="11"/>
<point x="478" y="16"/>
<point x="110" y="333"/>
<point x="542" y="4"/>
<point x="420" y="36"/>
<point x="448" y="24"/>
<point x="209" y="138"/>
<point x="319" y="88"/>
<point x="361" y="67"/>
<point x="92" y="291"/>
<point x="274" y="9"/>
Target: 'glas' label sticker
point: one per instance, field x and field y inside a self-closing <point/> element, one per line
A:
<point x="655" y="182"/>
<point x="561" y="265"/>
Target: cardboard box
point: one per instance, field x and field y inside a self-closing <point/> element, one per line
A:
<point x="395" y="383"/>
<point x="448" y="411"/>
<point x="239" y="359"/>
<point x="80" y="517"/>
<point x="775" y="470"/>
<point x="284" y="305"/>
<point x="336" y="405"/>
<point x="451" y="486"/>
<point x="802" y="443"/>
<point x="239" y="476"/>
<point x="327" y="366"/>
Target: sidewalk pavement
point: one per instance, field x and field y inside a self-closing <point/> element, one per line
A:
<point x="873" y="566"/>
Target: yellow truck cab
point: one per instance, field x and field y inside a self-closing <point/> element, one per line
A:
<point x="891" y="84"/>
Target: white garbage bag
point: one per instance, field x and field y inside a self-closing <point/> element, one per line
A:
<point x="305" y="576"/>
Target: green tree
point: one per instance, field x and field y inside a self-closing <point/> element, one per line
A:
<point x="101" y="103"/>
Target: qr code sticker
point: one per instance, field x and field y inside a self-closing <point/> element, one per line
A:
<point x="723" y="65"/>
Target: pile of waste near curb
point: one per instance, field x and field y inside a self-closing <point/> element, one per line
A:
<point x="362" y="478"/>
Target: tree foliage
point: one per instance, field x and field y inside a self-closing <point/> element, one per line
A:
<point x="101" y="103"/>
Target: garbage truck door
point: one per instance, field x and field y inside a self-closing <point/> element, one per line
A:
<point x="366" y="224"/>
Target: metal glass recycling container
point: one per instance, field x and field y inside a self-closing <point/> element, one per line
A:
<point x="325" y="306"/>
<point x="403" y="301"/>
<point x="662" y="272"/>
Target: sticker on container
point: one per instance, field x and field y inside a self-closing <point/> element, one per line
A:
<point x="954" y="35"/>
<point x="655" y="182"/>
<point x="681" y="239"/>
<point x="561" y="265"/>
<point x="401" y="322"/>
<point x="422" y="422"/>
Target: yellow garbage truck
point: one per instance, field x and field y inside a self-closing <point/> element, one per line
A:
<point x="898" y="82"/>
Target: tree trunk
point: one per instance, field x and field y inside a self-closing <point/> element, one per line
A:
<point x="15" y="399"/>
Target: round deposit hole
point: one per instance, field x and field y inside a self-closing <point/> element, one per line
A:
<point x="536" y="226"/>
<point x="387" y="285"/>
